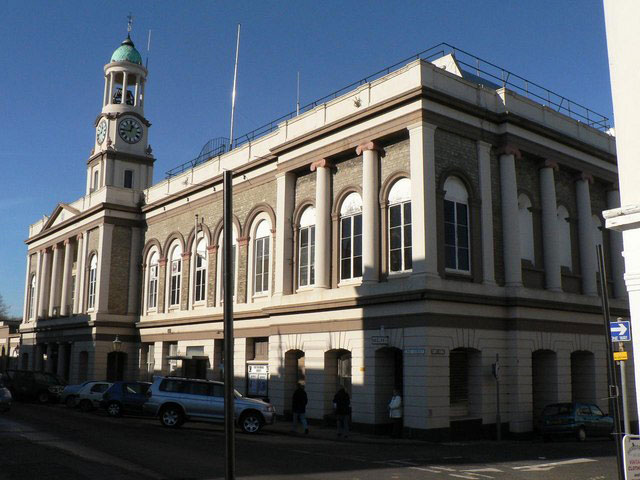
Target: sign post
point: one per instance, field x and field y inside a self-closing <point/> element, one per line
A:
<point x="496" y="374"/>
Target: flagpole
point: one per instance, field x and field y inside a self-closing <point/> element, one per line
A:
<point x="233" y="94"/>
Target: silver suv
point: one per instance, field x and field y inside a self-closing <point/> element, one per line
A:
<point x="175" y="400"/>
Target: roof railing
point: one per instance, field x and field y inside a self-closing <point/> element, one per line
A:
<point x="469" y="63"/>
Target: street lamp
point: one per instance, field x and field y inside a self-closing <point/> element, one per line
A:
<point x="117" y="345"/>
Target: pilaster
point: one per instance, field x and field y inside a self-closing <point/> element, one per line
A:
<point x="370" y="211"/>
<point x="486" y="212"/>
<point x="550" y="234"/>
<point x="54" y="289"/>
<point x="323" y="223"/>
<point x="585" y="235"/>
<point x="511" y="231"/>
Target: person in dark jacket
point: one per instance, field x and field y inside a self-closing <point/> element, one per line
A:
<point x="342" y="408"/>
<point x="299" y="408"/>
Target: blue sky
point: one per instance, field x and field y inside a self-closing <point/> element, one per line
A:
<point x="52" y="55"/>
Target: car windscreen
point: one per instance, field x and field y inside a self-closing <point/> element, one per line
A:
<point x="558" y="409"/>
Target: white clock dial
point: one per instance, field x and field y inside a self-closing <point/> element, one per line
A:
<point x="101" y="132"/>
<point x="130" y="130"/>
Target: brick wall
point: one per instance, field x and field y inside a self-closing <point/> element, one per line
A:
<point x="119" y="278"/>
<point x="396" y="158"/>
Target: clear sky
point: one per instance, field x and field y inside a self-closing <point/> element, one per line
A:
<point x="52" y="56"/>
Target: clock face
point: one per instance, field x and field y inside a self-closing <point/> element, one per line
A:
<point x="101" y="132"/>
<point x="130" y="130"/>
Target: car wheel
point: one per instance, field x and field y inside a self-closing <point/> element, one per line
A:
<point x="251" y="422"/>
<point x="86" y="405"/>
<point x="581" y="434"/>
<point x="70" y="402"/>
<point x="171" y="416"/>
<point x="114" y="409"/>
<point x="42" y="397"/>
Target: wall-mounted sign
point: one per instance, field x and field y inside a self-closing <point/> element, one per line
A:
<point x="438" y="351"/>
<point x="380" y="340"/>
<point x="414" y="351"/>
<point x="620" y="356"/>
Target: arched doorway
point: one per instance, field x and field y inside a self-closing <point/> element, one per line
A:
<point x="583" y="372"/>
<point x="83" y="366"/>
<point x="24" y="365"/>
<point x="294" y="373"/>
<point x="544" y="380"/>
<point x="337" y="374"/>
<point x="116" y="366"/>
<point x="465" y="383"/>
<point x="388" y="375"/>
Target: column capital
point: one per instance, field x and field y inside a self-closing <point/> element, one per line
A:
<point x="422" y="124"/>
<point x="483" y="144"/>
<point x="509" y="149"/>
<point x="54" y="247"/>
<point x="547" y="163"/>
<point x="186" y="255"/>
<point x="363" y="147"/>
<point x="162" y="262"/>
<point x="79" y="236"/>
<point x="586" y="176"/>
<point x="212" y="249"/>
<point x="322" y="163"/>
<point x="242" y="241"/>
<point x="67" y="241"/>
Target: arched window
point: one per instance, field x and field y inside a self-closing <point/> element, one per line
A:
<point x="175" y="275"/>
<point x="307" y="247"/>
<point x="456" y="225"/>
<point x="351" y="237"/>
<point x="564" y="232"/>
<point x="400" y="226"/>
<point x="261" y="258"/>
<point x="597" y="230"/>
<point x="96" y="176"/>
<point x="152" y="292"/>
<point x="93" y="271"/>
<point x="525" y="219"/>
<point x="200" y="282"/>
<point x="32" y="296"/>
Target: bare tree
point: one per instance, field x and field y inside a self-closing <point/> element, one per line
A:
<point x="4" y="309"/>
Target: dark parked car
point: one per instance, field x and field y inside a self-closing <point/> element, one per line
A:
<point x="125" y="397"/>
<point x="5" y="397"/>
<point x="26" y="384"/>
<point x="579" y="419"/>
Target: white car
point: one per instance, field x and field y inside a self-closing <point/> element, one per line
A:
<point x="89" y="396"/>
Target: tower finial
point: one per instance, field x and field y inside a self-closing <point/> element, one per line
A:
<point x="129" y="24"/>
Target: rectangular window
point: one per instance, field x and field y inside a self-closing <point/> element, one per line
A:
<point x="201" y="273"/>
<point x="92" y="289"/>
<point x="73" y="291"/>
<point x="261" y="274"/>
<point x="153" y="287"/>
<point x="128" y="179"/>
<point x="456" y="236"/>
<point x="306" y="254"/>
<point x="400" y="237"/>
<point x="176" y="268"/>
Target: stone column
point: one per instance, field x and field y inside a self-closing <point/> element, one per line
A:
<point x="105" y="97"/>
<point x="424" y="239"/>
<point x="137" y="90"/>
<point x="104" y="268"/>
<point x="616" y="247"/>
<point x="370" y="212"/>
<point x="134" y="271"/>
<point x="586" y="244"/>
<point x="125" y="79"/>
<point x="78" y="303"/>
<point x="43" y="285"/>
<point x="212" y="254"/>
<point x="550" y="234"/>
<point x="162" y="283"/>
<point x="27" y="286"/>
<point x="62" y="352"/>
<point x="510" y="221"/>
<point x="184" y="281"/>
<point x="241" y="280"/>
<point x="323" y="222"/>
<point x="37" y="359"/>
<point x="66" y="278"/>
<point x="286" y="183"/>
<point x="486" y="212"/>
<point x="49" y="363"/>
<point x="54" y="291"/>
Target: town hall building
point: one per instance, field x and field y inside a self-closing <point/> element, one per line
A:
<point x="409" y="232"/>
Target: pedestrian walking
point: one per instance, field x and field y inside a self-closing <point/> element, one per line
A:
<point x="342" y="408"/>
<point x="395" y="413"/>
<point x="299" y="409"/>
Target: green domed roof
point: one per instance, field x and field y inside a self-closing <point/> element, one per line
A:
<point x="127" y="52"/>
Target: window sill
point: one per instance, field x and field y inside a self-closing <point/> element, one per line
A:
<point x="261" y="296"/>
<point x="400" y="274"/>
<point x="306" y="288"/>
<point x="349" y="282"/>
<point x="458" y="274"/>
<point x="152" y="311"/>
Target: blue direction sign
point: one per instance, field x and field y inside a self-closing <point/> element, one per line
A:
<point x="620" y="331"/>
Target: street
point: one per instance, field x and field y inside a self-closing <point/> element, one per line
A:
<point x="53" y="442"/>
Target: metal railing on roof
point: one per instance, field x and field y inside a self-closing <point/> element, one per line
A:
<point x="213" y="148"/>
<point x="485" y="73"/>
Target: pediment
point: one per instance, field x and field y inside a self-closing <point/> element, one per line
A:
<point x="60" y="214"/>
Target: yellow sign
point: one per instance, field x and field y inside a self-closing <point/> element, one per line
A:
<point x="620" y="356"/>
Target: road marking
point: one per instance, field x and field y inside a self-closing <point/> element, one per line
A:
<point x="471" y="470"/>
<point x="425" y="469"/>
<point x="543" y="467"/>
<point x="474" y="477"/>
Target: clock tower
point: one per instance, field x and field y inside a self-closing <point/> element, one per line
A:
<point x="122" y="156"/>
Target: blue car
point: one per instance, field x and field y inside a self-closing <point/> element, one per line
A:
<point x="125" y="397"/>
<point x="581" y="420"/>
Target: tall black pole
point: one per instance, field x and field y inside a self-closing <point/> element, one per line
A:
<point x="227" y="268"/>
<point x="613" y="384"/>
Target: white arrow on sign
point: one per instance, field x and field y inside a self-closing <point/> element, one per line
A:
<point x="620" y="330"/>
